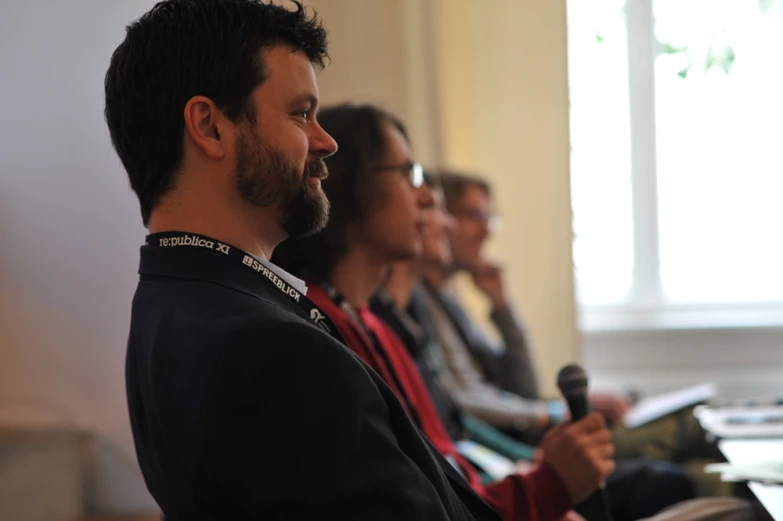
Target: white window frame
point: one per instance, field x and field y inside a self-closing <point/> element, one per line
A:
<point x="645" y="308"/>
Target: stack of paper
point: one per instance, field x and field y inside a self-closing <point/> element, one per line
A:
<point x="650" y="409"/>
<point x="770" y="472"/>
<point x="742" y="422"/>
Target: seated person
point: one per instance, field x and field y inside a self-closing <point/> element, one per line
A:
<point x="636" y="489"/>
<point x="211" y="107"/>
<point x="377" y="197"/>
<point x="498" y="383"/>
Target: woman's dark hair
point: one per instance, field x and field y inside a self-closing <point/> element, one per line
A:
<point x="360" y="132"/>
<point x="183" y="48"/>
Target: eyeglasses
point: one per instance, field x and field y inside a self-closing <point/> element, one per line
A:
<point x="489" y="219"/>
<point x="414" y="171"/>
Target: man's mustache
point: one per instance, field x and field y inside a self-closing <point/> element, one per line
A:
<point x="316" y="169"/>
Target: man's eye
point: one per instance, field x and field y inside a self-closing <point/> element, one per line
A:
<point x="304" y="114"/>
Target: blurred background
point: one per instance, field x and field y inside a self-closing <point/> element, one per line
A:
<point x="634" y="148"/>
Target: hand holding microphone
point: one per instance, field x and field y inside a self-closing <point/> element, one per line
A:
<point x="581" y="451"/>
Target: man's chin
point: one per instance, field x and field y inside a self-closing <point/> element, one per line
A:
<point x="437" y="263"/>
<point x="308" y="221"/>
<point x="446" y="262"/>
<point x="411" y="253"/>
<point x="467" y="261"/>
<point x="318" y="224"/>
<point x="315" y="191"/>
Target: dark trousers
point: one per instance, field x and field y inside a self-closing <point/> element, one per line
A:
<point x="642" y="488"/>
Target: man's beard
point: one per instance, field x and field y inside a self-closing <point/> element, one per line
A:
<point x="265" y="178"/>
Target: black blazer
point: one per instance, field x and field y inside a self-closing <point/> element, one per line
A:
<point x="242" y="408"/>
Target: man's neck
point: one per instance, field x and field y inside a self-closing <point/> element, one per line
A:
<point x="403" y="277"/>
<point x="358" y="275"/>
<point x="253" y="230"/>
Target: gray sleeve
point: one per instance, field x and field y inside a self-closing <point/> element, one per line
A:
<point x="499" y="408"/>
<point x="466" y="384"/>
<point x="513" y="367"/>
<point x="463" y="377"/>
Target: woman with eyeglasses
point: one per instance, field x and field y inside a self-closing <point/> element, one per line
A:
<point x="379" y="201"/>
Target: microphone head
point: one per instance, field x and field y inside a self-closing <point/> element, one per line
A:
<point x="572" y="381"/>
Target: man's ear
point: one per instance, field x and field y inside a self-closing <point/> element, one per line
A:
<point x="203" y="124"/>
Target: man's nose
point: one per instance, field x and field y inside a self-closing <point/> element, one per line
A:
<point x="321" y="143"/>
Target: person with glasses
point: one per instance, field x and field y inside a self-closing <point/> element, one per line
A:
<point x="637" y="489"/>
<point x="498" y="382"/>
<point x="414" y="172"/>
<point x="378" y="206"/>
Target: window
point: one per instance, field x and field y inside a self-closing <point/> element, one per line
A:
<point x="677" y="156"/>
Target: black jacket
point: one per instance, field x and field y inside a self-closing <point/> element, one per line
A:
<point x="242" y="408"/>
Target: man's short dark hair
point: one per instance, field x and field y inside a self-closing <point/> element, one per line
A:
<point x="360" y="132"/>
<point x="455" y="183"/>
<point x="185" y="48"/>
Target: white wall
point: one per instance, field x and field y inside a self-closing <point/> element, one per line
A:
<point x="743" y="362"/>
<point x="69" y="230"/>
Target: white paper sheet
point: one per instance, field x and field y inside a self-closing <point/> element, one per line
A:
<point x="650" y="409"/>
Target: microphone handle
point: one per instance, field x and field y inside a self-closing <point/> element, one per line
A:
<point x="579" y="406"/>
<point x="596" y="507"/>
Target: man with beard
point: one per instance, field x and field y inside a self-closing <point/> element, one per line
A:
<point x="243" y="401"/>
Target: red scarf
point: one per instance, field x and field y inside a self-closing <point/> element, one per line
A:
<point x="413" y="392"/>
<point x="540" y="495"/>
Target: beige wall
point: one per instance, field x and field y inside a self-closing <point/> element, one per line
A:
<point x="382" y="52"/>
<point x="483" y="87"/>
<point x="519" y="69"/>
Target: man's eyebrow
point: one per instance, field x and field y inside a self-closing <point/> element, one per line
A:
<point x="306" y="98"/>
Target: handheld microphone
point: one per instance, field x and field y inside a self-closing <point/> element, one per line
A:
<point x="572" y="382"/>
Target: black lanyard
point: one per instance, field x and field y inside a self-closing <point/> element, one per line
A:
<point x="354" y="315"/>
<point x="248" y="262"/>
